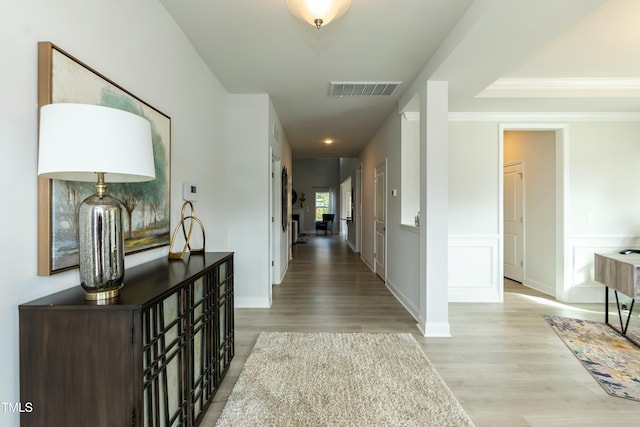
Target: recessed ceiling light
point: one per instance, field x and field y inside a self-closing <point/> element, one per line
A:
<point x="328" y="141"/>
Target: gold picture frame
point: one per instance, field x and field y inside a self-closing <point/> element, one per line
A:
<point x="146" y="216"/>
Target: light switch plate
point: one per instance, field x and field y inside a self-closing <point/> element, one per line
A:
<point x="189" y="192"/>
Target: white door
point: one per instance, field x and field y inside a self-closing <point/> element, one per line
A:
<point x="380" y="219"/>
<point x="514" y="222"/>
<point x="275" y="222"/>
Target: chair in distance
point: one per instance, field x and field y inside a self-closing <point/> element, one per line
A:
<point x="326" y="224"/>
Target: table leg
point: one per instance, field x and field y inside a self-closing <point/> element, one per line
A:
<point x="623" y="326"/>
<point x="606" y="305"/>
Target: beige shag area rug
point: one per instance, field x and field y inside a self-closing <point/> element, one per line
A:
<point x="346" y="379"/>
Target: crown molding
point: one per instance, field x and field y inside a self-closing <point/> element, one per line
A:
<point x="562" y="87"/>
<point x="542" y="117"/>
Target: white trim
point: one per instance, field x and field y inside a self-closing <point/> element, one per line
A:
<point x="562" y="87"/>
<point x="562" y="196"/>
<point x="545" y="288"/>
<point x="384" y="165"/>
<point x="403" y="299"/>
<point x="580" y="249"/>
<point x="410" y="228"/>
<point x="358" y="201"/>
<point x="284" y="273"/>
<point x="251" y="302"/>
<point x="436" y="330"/>
<point x="543" y="117"/>
<point x="412" y="116"/>
<point x="366" y="263"/>
<point x="490" y="286"/>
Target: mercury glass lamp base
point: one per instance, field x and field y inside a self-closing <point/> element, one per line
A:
<point x="100" y="247"/>
<point x="103" y="295"/>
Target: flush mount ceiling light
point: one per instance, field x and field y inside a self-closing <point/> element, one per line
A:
<point x="318" y="12"/>
<point x="328" y="141"/>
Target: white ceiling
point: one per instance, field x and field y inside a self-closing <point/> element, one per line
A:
<point x="497" y="55"/>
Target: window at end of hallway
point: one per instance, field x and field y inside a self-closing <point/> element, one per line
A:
<point x="322" y="204"/>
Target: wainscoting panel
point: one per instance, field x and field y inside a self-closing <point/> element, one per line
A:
<point x="579" y="283"/>
<point x="474" y="272"/>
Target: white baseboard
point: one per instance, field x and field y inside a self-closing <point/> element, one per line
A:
<point x="406" y="302"/>
<point x="284" y="272"/>
<point x="435" y="329"/>
<point x="251" y="302"/>
<point x="539" y="286"/>
<point x="366" y="263"/>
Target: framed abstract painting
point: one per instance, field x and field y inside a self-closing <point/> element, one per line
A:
<point x="62" y="78"/>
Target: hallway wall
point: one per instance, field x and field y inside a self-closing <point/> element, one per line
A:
<point x="403" y="244"/>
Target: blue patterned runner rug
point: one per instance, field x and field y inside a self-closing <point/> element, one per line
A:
<point x="612" y="360"/>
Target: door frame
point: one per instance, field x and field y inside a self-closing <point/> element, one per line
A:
<point x="275" y="231"/>
<point x="562" y="270"/>
<point x="345" y="187"/>
<point x="358" y="209"/>
<point x="386" y="218"/>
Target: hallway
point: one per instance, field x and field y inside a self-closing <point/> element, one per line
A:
<point x="328" y="288"/>
<point x="504" y="363"/>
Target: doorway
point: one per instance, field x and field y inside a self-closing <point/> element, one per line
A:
<point x="275" y="232"/>
<point x="541" y="148"/>
<point x="346" y="207"/>
<point x="380" y="220"/>
<point x="513" y="209"/>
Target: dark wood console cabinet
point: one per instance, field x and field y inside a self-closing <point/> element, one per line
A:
<point x="153" y="357"/>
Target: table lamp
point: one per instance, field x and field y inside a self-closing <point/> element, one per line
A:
<point x="90" y="143"/>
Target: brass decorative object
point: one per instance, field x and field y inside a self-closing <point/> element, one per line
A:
<point x="187" y="234"/>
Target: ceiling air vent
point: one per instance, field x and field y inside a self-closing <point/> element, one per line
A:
<point x="341" y="89"/>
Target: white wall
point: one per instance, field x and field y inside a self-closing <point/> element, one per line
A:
<point x="536" y="151"/>
<point x="474" y="239"/>
<point x="434" y="209"/>
<point x="601" y="210"/>
<point x="403" y="244"/>
<point x="603" y="204"/>
<point x="249" y="194"/>
<point x="137" y="45"/>
<point x="281" y="151"/>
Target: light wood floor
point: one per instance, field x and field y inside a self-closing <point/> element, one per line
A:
<point x="504" y="363"/>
